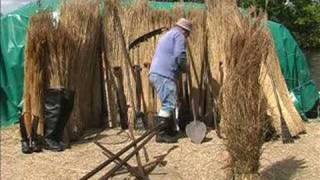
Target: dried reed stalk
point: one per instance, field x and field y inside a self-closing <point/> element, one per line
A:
<point x="243" y="105"/>
<point x="219" y="31"/>
<point x="35" y="67"/>
<point x="289" y="112"/>
<point x="75" y="62"/>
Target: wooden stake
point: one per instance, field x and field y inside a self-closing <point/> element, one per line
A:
<point x="128" y="65"/>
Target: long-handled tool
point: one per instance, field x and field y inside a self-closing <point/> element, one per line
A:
<point x="196" y="130"/>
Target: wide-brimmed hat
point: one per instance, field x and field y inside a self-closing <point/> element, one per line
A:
<point x="185" y="24"/>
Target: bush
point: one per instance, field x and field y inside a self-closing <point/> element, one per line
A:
<point x="302" y="17"/>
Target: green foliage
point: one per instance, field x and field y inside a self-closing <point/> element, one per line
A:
<point x="302" y="17"/>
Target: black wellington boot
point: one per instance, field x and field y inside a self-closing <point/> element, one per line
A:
<point x="67" y="104"/>
<point x="25" y="142"/>
<point x="52" y="113"/>
<point x="172" y="129"/>
<point x="162" y="136"/>
<point x="35" y="138"/>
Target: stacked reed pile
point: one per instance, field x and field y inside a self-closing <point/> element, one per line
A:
<point x="219" y="34"/>
<point x="287" y="110"/>
<point x="136" y="20"/>
<point x="76" y="44"/>
<point x="243" y="105"/>
<point x="71" y="54"/>
<point x="36" y="55"/>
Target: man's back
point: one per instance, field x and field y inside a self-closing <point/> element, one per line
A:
<point x="170" y="46"/>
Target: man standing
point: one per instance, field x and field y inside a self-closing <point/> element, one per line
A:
<point x="167" y="64"/>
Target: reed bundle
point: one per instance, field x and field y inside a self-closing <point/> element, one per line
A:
<point x="70" y="55"/>
<point x="279" y="93"/>
<point x="36" y="53"/>
<point x="78" y="55"/>
<point x="243" y="105"/>
<point x="219" y="33"/>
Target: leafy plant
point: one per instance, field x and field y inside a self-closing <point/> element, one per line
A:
<point x="302" y="17"/>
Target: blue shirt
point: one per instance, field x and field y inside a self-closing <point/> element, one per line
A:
<point x="170" y="55"/>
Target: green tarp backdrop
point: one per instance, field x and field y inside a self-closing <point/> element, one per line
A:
<point x="13" y="39"/>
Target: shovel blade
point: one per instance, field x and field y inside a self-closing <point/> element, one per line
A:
<point x="196" y="131"/>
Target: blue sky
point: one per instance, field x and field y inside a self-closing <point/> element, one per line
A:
<point x="10" y="5"/>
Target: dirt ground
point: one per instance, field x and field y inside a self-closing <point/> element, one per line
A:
<point x="182" y="160"/>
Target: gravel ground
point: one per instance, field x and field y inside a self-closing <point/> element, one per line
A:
<point x="182" y="160"/>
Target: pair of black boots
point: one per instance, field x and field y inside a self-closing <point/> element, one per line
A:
<point x="57" y="109"/>
<point x="167" y="132"/>
<point x="29" y="144"/>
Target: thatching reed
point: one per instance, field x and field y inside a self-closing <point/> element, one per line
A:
<point x="35" y="67"/>
<point x="275" y="79"/>
<point x="82" y="24"/>
<point x="70" y="49"/>
<point x="136" y="20"/>
<point x="219" y="33"/>
<point x="243" y="105"/>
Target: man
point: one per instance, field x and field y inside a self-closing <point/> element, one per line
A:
<point x="167" y="64"/>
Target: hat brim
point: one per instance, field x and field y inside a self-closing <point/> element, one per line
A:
<point x="183" y="27"/>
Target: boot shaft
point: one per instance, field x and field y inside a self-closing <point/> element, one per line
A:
<point x="23" y="129"/>
<point x="58" y="107"/>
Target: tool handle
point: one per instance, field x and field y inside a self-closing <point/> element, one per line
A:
<point x="190" y="95"/>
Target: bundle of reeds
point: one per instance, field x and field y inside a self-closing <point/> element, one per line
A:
<point x="76" y="62"/>
<point x="66" y="53"/>
<point x="243" y="104"/>
<point x="36" y="56"/>
<point x="219" y="33"/>
<point x="281" y="107"/>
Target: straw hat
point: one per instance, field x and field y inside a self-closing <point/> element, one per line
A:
<point x="185" y="24"/>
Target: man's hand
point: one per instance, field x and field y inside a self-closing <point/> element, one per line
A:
<point x="186" y="68"/>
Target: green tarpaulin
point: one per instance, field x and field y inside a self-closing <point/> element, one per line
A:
<point x="294" y="68"/>
<point x="13" y="39"/>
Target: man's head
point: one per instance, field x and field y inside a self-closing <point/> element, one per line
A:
<point x="185" y="25"/>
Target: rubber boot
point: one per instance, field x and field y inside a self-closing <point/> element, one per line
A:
<point x="25" y="141"/>
<point x="162" y="136"/>
<point x="172" y="129"/>
<point x="67" y="104"/>
<point x="35" y="138"/>
<point x="52" y="112"/>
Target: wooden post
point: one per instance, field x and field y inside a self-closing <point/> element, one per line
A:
<point x="128" y="65"/>
<point x="150" y="100"/>
<point x="121" y="97"/>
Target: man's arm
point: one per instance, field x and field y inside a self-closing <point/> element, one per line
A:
<point x="180" y="52"/>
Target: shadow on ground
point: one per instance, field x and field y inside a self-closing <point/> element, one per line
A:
<point x="283" y="170"/>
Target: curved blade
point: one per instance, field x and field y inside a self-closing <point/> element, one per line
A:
<point x="146" y="36"/>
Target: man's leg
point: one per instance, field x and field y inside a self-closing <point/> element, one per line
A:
<point x="166" y="90"/>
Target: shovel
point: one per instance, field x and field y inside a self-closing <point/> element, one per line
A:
<point x="196" y="130"/>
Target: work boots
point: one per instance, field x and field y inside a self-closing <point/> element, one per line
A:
<point x="25" y="141"/>
<point x="29" y="144"/>
<point x="68" y="101"/>
<point x="163" y="136"/>
<point x="58" y="106"/>
<point x="35" y="138"/>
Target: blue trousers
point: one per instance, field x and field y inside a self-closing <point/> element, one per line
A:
<point x="166" y="89"/>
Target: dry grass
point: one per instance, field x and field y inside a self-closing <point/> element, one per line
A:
<point x="35" y="68"/>
<point x="243" y="106"/>
<point x="80" y="53"/>
<point x="69" y="49"/>
<point x="219" y="33"/>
